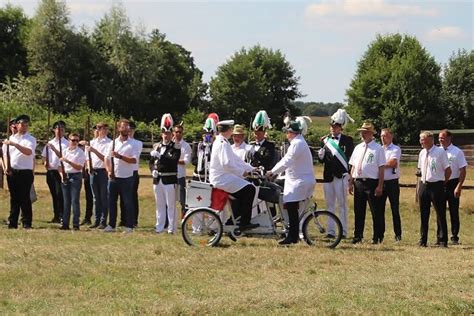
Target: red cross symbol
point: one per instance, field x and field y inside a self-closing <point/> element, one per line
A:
<point x="199" y="198"/>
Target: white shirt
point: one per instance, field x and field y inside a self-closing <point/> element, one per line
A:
<point x="299" y="174"/>
<point x="186" y="153"/>
<point x="101" y="145"/>
<point x="76" y="156"/>
<point x="122" y="169"/>
<point x="456" y="160"/>
<point x="17" y="159"/>
<point x="432" y="170"/>
<point x="240" y="151"/>
<point x="366" y="160"/>
<point x="138" y="146"/>
<point x="226" y="169"/>
<point x="53" y="158"/>
<point x="392" y="151"/>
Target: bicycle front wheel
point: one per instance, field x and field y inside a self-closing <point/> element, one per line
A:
<point x="322" y="229"/>
<point x="202" y="227"/>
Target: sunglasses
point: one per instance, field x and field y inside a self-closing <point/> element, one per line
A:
<point x="74" y="140"/>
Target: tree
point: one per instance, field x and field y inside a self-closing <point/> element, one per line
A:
<point x="397" y="85"/>
<point x="253" y="80"/>
<point x="321" y="108"/>
<point x="458" y="90"/>
<point x="14" y="28"/>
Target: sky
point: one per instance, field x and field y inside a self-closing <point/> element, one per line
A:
<point x="322" y="40"/>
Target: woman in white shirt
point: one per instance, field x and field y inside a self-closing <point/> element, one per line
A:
<point x="73" y="159"/>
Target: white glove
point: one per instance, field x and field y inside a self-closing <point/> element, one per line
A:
<point x="321" y="153"/>
<point x="155" y="153"/>
<point x="154" y="173"/>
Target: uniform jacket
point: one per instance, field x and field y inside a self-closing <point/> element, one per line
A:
<point x="265" y="156"/>
<point x="166" y="163"/>
<point x="332" y="166"/>
<point x="197" y="157"/>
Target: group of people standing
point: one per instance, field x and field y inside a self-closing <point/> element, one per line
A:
<point x="109" y="169"/>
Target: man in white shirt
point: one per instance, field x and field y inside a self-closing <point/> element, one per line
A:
<point x="120" y="162"/>
<point x="458" y="165"/>
<point x="51" y="163"/>
<point x="227" y="171"/>
<point x="366" y="183"/>
<point x="239" y="147"/>
<point x="391" y="187"/>
<point x="184" y="160"/>
<point x="98" y="174"/>
<point x="138" y="145"/>
<point x="435" y="172"/>
<point x="21" y="149"/>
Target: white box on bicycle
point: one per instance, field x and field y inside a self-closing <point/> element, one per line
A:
<point x="198" y="194"/>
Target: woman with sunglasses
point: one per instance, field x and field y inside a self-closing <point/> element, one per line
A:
<point x="73" y="160"/>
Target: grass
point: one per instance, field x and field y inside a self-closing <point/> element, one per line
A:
<point x="48" y="271"/>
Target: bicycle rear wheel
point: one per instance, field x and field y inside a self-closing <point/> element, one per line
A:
<point x="202" y="227"/>
<point x="322" y="229"/>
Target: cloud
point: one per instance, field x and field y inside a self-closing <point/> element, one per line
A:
<point x="445" y="33"/>
<point x="365" y="8"/>
<point x="87" y="7"/>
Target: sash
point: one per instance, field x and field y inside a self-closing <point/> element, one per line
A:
<point x="337" y="152"/>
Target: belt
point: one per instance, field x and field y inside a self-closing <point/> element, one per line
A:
<point x="432" y="182"/>
<point x="365" y="179"/>
<point x="98" y="169"/>
<point x="165" y="174"/>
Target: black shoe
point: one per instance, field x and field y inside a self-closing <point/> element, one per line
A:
<point x="398" y="238"/>
<point x="422" y="244"/>
<point x="75" y="228"/>
<point x="248" y="226"/>
<point x="288" y="241"/>
<point x="121" y="224"/>
<point x="343" y="237"/>
<point x="356" y="240"/>
<point x="442" y="244"/>
<point x="64" y="228"/>
<point x="55" y="220"/>
<point x="26" y="226"/>
<point x="330" y="236"/>
<point x="95" y="225"/>
<point x="86" y="222"/>
<point x="375" y="241"/>
<point x="455" y="240"/>
<point x="102" y="226"/>
<point x="438" y="243"/>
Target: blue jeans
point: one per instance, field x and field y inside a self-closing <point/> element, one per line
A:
<point x="124" y="188"/>
<point x="71" y="196"/>
<point x="99" y="182"/>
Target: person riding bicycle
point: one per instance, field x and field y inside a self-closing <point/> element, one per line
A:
<point x="299" y="179"/>
<point x="227" y="172"/>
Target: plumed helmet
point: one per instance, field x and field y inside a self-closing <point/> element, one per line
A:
<point x="341" y="117"/>
<point x="211" y="123"/>
<point x="261" y="121"/>
<point x="166" y="123"/>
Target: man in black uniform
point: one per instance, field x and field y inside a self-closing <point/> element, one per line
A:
<point x="201" y="151"/>
<point x="336" y="150"/>
<point x="262" y="151"/>
<point x="164" y="168"/>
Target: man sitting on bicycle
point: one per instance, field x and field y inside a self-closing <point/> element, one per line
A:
<point x="227" y="172"/>
<point x="299" y="179"/>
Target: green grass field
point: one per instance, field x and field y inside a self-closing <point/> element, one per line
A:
<point x="48" y="271"/>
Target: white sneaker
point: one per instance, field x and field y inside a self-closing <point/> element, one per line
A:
<point x="109" y="229"/>
<point x="128" y="230"/>
<point x="170" y="232"/>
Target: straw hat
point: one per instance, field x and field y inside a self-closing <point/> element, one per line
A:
<point x="238" y="130"/>
<point x="367" y="127"/>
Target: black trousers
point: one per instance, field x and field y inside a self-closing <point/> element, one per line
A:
<point x="243" y="203"/>
<point x="364" y="192"/>
<point x="453" y="204"/>
<point x="53" y="179"/>
<point x="20" y="182"/>
<point x="89" y="196"/>
<point x="391" y="190"/>
<point x="136" y="183"/>
<point x="433" y="192"/>
<point x="293" y="216"/>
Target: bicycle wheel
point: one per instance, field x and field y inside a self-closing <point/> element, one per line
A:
<point x="322" y="229"/>
<point x="201" y="227"/>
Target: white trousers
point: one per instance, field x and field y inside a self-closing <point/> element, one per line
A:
<point x="165" y="198"/>
<point x="336" y="191"/>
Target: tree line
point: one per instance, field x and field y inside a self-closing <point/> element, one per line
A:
<point x="115" y="70"/>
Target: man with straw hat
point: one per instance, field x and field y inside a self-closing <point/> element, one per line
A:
<point x="366" y="183"/>
<point x="239" y="147"/>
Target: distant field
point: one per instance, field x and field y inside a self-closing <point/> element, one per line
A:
<point x="47" y="271"/>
